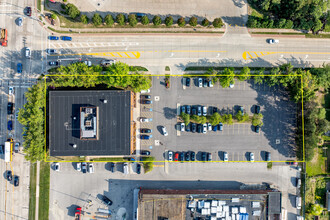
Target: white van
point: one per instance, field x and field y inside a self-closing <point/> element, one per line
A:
<point x="298" y="202"/>
<point x="125" y="168"/>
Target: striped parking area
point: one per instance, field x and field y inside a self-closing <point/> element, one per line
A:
<point x="90" y="44"/>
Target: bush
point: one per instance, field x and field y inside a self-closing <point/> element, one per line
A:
<point x="132" y="20"/>
<point x="168" y="21"/>
<point x="53" y="16"/>
<point x="257" y="119"/>
<point x="63" y="6"/>
<point x="120" y="18"/>
<point x="181" y="22"/>
<point x="97" y="19"/>
<point x="185" y="117"/>
<point x="145" y="20"/>
<point x="193" y="21"/>
<point x="157" y="20"/>
<point x="205" y="22"/>
<point x="84" y="19"/>
<point x="72" y="10"/>
<point x="65" y="0"/>
<point x="108" y="19"/>
<point x="217" y="23"/>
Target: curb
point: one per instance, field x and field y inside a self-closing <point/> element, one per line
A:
<point x="279" y="35"/>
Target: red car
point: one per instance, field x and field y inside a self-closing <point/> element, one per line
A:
<point x="176" y="156"/>
<point x="28" y="11"/>
<point x="77" y="214"/>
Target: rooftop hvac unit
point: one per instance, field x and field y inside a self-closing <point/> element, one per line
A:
<point x="89" y="111"/>
<point x="74" y="146"/>
<point x="105" y="101"/>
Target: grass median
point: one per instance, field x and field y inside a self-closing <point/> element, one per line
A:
<point x="44" y="190"/>
<point x="33" y="185"/>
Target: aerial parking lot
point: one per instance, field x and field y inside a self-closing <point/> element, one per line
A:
<point x="237" y="142"/>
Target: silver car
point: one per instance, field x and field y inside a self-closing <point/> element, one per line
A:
<point x="170" y="155"/>
<point x="164" y="131"/>
<point x="204" y="111"/>
<point x="204" y="128"/>
<point x="251" y="157"/>
<point x="19" y="21"/>
<point x="78" y="167"/>
<point x="51" y="51"/>
<point x="225" y="156"/>
<point x="182" y="126"/>
<point x="200" y="82"/>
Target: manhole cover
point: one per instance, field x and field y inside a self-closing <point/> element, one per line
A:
<point x="278" y="141"/>
<point x="156" y="98"/>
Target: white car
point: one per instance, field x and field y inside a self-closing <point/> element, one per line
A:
<point x="164" y="131"/>
<point x="204" y="128"/>
<point x="88" y="62"/>
<point x="204" y="111"/>
<point x="145" y="119"/>
<point x="225" y="156"/>
<point x="108" y="62"/>
<point x="90" y="168"/>
<point x="145" y="91"/>
<point x="11" y="90"/>
<point x="182" y="126"/>
<point x="28" y="52"/>
<point x="273" y="41"/>
<point x="251" y="157"/>
<point x="210" y="83"/>
<point x="51" y="51"/>
<point x="57" y="167"/>
<point x="200" y="82"/>
<point x="78" y="167"/>
<point x="209" y="126"/>
<point x="170" y="155"/>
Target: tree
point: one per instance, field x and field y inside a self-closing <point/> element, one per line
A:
<point x="272" y="80"/>
<point x="203" y="119"/>
<point x="97" y="19"/>
<point x="109" y="20"/>
<point x="317" y="26"/>
<point x="322" y="76"/>
<point x="259" y="76"/>
<point x="156" y="20"/>
<point x="244" y="74"/>
<point x="228" y="119"/>
<point x="132" y="20"/>
<point x="145" y="20"/>
<point x="185" y="117"/>
<point x="196" y="118"/>
<point x="53" y="16"/>
<point x="227" y="77"/>
<point x="257" y="119"/>
<point x="315" y="209"/>
<point x="205" y="22"/>
<point x="168" y="21"/>
<point x="323" y="126"/>
<point x="217" y="23"/>
<point x="72" y="10"/>
<point x="193" y="21"/>
<point x="84" y="19"/>
<point x="215" y="119"/>
<point x="181" y="22"/>
<point x="120" y="18"/>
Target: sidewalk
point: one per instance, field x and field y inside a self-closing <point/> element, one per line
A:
<point x="37" y="190"/>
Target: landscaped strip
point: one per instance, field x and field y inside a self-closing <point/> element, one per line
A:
<point x="32" y="195"/>
<point x="44" y="190"/>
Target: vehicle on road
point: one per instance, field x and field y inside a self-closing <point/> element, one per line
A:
<point x="66" y="38"/>
<point x="251" y="157"/>
<point x="209" y="156"/>
<point x="209" y="126"/>
<point x="145" y="130"/>
<point x="10" y="125"/>
<point x="11" y="90"/>
<point x="16" y="115"/>
<point x="84" y="167"/>
<point x="193" y="127"/>
<point x="138" y="168"/>
<point x="77" y="214"/>
<point x="28" y="11"/>
<point x="188" y="82"/>
<point x="187" y="156"/>
<point x="10" y="108"/>
<point x="200" y="82"/>
<point x="220" y="126"/>
<point x="27" y="53"/>
<point x="176" y="156"/>
<point x="57" y="166"/>
<point x="145" y="152"/>
<point x="78" y="167"/>
<point x="53" y="63"/>
<point x="145" y="137"/>
<point x="164" y="131"/>
<point x="106" y="200"/>
<point x="4" y="37"/>
<point x="51" y="51"/>
<point x="19" y="68"/>
<point x="267" y="156"/>
<point x="170" y="155"/>
<point x="53" y="38"/>
<point x="108" y="63"/>
<point x="91" y="168"/>
<point x="256" y="109"/>
<point x="182" y="126"/>
<point x="181" y="156"/>
<point x="203" y="157"/>
<point x="147" y="102"/>
<point x="225" y="156"/>
<point x="273" y="41"/>
<point x="257" y="129"/>
<point x="204" y="111"/>
<point x="19" y="21"/>
<point x="17" y="147"/>
<point x="199" y="110"/>
<point x="142" y="119"/>
<point x="193" y="156"/>
<point x="9" y="175"/>
<point x="16" y="180"/>
<point x="204" y="128"/>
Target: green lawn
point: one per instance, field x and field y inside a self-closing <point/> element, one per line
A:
<point x="44" y="190"/>
<point x="317" y="164"/>
<point x="32" y="199"/>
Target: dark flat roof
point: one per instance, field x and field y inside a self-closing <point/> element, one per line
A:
<point x="114" y="122"/>
<point x="275" y="203"/>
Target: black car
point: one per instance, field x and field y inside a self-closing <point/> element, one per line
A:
<point x="194" y="110"/>
<point x="193" y="127"/>
<point x="193" y="156"/>
<point x="106" y="200"/>
<point x="209" y="156"/>
<point x="145" y="152"/>
<point x="16" y="180"/>
<point x="53" y="63"/>
<point x="188" y="109"/>
<point x="181" y="156"/>
<point x="257" y="129"/>
<point x="145" y="130"/>
<point x="203" y="156"/>
<point x="10" y="108"/>
<point x="215" y="109"/>
<point x="205" y="82"/>
<point x="199" y="128"/>
<point x="187" y="156"/>
<point x="183" y="109"/>
<point x="138" y="168"/>
<point x="112" y="167"/>
<point x="9" y="175"/>
<point x="188" y="127"/>
<point x="146" y="96"/>
<point x="146" y="102"/>
<point x="267" y="156"/>
<point x="28" y="11"/>
<point x="187" y="82"/>
<point x="257" y="109"/>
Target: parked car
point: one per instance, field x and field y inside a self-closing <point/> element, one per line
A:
<point x="53" y="63"/>
<point x="203" y="157"/>
<point x="84" y="167"/>
<point x="187" y="156"/>
<point x="66" y="38"/>
<point x="199" y="128"/>
<point x="91" y="168"/>
<point x="146" y="96"/>
<point x="183" y="109"/>
<point x="298" y="202"/>
<point x="220" y="126"/>
<point x="11" y="90"/>
<point x="57" y="167"/>
<point x="170" y="155"/>
<point x="251" y="157"/>
<point x="204" y="128"/>
<point x="267" y="156"/>
<point x="125" y="168"/>
<point x="181" y="156"/>
<point x="16" y="180"/>
<point x="138" y="168"/>
<point x="298" y="182"/>
<point x="10" y="125"/>
<point x="205" y="83"/>
<point x="257" y="109"/>
<point x="204" y="111"/>
<point x="215" y="128"/>
<point x="53" y="38"/>
<point x="193" y="156"/>
<point x="16" y="115"/>
<point x="210" y="84"/>
<point x="188" y="109"/>
<point x="188" y="127"/>
<point x="209" y="156"/>
<point x="145" y="119"/>
<point x="145" y="130"/>
<point x="142" y="91"/>
<point x="17" y="147"/>
<point x="193" y="127"/>
<point x="200" y="82"/>
<point x="109" y="63"/>
<point x="209" y="126"/>
<point x="112" y="167"/>
<point x="106" y="200"/>
<point x="10" y="108"/>
<point x="51" y="51"/>
<point x="199" y="110"/>
<point x="193" y="110"/>
<point x="78" y="166"/>
<point x="164" y="131"/>
<point x="215" y="110"/>
<point x="88" y="62"/>
<point x="241" y="109"/>
<point x="148" y="102"/>
<point x="176" y="156"/>
<point x="28" y="11"/>
<point x="9" y="175"/>
<point x="27" y="53"/>
<point x="273" y="41"/>
<point x="19" y="21"/>
<point x="145" y="152"/>
<point x="225" y="156"/>
<point x="140" y="15"/>
<point x="257" y="129"/>
<point x="19" y="68"/>
<point x="182" y="126"/>
<point x="145" y="137"/>
<point x="187" y="82"/>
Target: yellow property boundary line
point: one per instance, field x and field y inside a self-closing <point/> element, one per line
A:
<point x="175" y="75"/>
